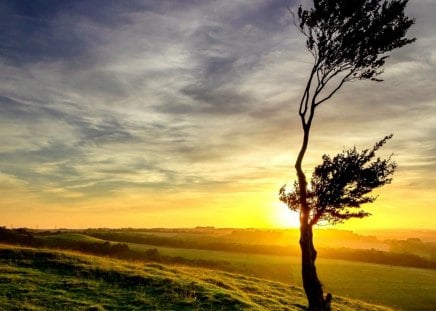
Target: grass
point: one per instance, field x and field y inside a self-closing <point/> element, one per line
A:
<point x="72" y="237"/>
<point x="33" y="279"/>
<point x="400" y="287"/>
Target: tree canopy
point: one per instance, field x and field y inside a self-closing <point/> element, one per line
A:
<point x="341" y="184"/>
<point x="349" y="40"/>
<point x="354" y="35"/>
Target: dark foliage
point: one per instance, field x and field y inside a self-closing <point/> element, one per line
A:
<point x="404" y="259"/>
<point x="19" y="236"/>
<point x="26" y="238"/>
<point x="354" y="35"/>
<point x="341" y="184"/>
<point x="152" y="254"/>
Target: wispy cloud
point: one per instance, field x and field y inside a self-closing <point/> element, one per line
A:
<point x="104" y="97"/>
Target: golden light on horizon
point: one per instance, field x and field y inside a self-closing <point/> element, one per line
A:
<point x="169" y="134"/>
<point x="284" y="217"/>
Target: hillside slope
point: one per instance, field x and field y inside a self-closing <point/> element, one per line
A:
<point x="34" y="279"/>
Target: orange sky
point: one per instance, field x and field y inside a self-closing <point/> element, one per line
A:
<point x="155" y="116"/>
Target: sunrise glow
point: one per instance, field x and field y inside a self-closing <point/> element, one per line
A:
<point x="144" y="116"/>
<point x="285" y="217"/>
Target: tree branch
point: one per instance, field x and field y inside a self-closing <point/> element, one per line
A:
<point x="335" y="90"/>
<point x="305" y="99"/>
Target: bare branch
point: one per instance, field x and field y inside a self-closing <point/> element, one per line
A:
<point x="334" y="90"/>
<point x="306" y="96"/>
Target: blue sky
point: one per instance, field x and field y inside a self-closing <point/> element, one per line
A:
<point x="155" y="107"/>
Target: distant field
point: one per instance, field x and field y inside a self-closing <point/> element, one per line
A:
<point x="76" y="237"/>
<point x="400" y="287"/>
<point x="404" y="288"/>
<point x="334" y="244"/>
<point x="32" y="279"/>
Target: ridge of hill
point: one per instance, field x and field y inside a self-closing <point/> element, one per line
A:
<point x="41" y="279"/>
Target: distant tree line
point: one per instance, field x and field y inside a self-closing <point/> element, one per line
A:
<point x="25" y="237"/>
<point x="379" y="257"/>
<point x="176" y="242"/>
<point x="18" y="236"/>
<point x="414" y="246"/>
<point x="364" y="255"/>
<point x="411" y="252"/>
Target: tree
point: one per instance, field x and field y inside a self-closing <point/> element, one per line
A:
<point x="340" y="185"/>
<point x="349" y="40"/>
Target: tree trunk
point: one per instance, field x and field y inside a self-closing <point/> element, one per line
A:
<point x="311" y="284"/>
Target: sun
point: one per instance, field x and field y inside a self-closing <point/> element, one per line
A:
<point x="284" y="217"/>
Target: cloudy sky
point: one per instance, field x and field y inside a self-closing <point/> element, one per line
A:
<point x="168" y="113"/>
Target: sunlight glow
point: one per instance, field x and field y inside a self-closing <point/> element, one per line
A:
<point x="284" y="217"/>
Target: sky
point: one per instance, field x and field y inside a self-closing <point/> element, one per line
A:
<point x="167" y="113"/>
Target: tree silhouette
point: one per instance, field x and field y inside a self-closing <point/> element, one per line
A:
<point x="340" y="185"/>
<point x="349" y="41"/>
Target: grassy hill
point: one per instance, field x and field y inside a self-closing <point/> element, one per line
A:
<point x="35" y="279"/>
<point x="76" y="237"/>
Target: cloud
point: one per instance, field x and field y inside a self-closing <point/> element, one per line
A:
<point x="99" y="98"/>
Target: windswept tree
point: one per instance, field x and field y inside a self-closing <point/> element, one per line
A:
<point x="349" y="40"/>
<point x="339" y="187"/>
<point x="341" y="184"/>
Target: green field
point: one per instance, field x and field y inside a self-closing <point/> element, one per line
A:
<point x="403" y="288"/>
<point x="399" y="287"/>
<point x="35" y="279"/>
<point x="76" y="237"/>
